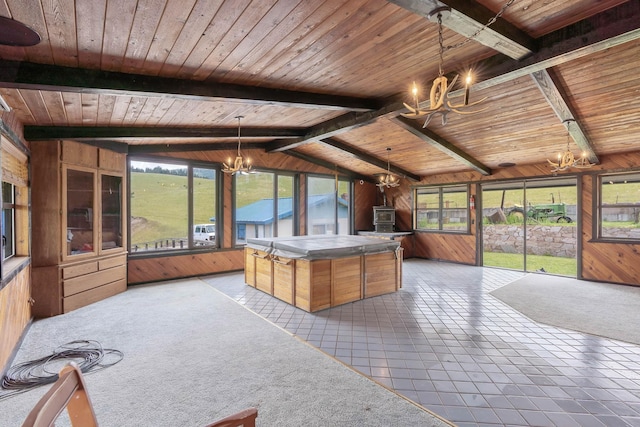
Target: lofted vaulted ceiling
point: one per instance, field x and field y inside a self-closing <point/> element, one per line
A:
<point x="326" y="80"/>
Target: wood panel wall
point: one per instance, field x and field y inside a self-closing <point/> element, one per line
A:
<point x="15" y="315"/>
<point x="15" y="310"/>
<point x="602" y="261"/>
<point x="143" y="270"/>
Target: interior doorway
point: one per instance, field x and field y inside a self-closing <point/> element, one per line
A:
<point x="531" y="225"/>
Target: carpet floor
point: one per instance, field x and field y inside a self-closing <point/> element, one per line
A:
<point x="192" y="355"/>
<point x="600" y="309"/>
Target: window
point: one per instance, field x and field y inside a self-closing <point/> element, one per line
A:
<point x="619" y="206"/>
<point x="173" y="205"/>
<point x="8" y="221"/>
<point x="328" y="206"/>
<point x="15" y="198"/>
<point x="442" y="208"/>
<point x="265" y="205"/>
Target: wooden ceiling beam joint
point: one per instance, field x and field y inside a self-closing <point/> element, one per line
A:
<point x="441" y="144"/>
<point x="367" y="158"/>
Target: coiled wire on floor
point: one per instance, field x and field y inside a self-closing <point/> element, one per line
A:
<point x="88" y="355"/>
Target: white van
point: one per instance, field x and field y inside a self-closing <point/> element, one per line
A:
<point x="204" y="233"/>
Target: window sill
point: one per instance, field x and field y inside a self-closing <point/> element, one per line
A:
<point x="12" y="267"/>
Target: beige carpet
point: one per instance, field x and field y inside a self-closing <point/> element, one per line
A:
<point x="192" y="355"/>
<point x="602" y="309"/>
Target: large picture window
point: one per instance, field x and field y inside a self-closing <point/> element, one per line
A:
<point x="265" y="205"/>
<point x="173" y="205"/>
<point x="328" y="206"/>
<point x="619" y="206"/>
<point x="442" y="208"/>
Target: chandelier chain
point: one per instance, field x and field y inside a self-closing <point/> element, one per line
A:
<point x="484" y="27"/>
<point x="441" y="42"/>
<point x="239" y="117"/>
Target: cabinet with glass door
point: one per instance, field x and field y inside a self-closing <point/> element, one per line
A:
<point x="78" y="232"/>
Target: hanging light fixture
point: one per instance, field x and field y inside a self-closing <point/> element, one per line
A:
<point x="239" y="164"/>
<point x="387" y="180"/>
<point x="440" y="100"/>
<point x="567" y="160"/>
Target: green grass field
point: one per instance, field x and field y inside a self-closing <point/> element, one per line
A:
<point x="553" y="265"/>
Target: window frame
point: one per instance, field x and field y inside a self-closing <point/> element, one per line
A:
<point x="9" y="206"/>
<point x="350" y="210"/>
<point x="14" y="152"/>
<point x="598" y="204"/>
<point x="276" y="174"/>
<point x="190" y="165"/>
<point x="440" y="190"/>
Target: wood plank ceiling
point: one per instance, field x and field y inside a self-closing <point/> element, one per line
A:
<point x="326" y="79"/>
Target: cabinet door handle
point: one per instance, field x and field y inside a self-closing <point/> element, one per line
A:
<point x="281" y="262"/>
<point x="257" y="255"/>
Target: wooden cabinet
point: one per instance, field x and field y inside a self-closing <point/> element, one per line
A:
<point x="78" y="228"/>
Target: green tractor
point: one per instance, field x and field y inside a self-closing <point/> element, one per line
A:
<point x="556" y="212"/>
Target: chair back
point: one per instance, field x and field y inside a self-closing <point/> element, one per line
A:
<point x="69" y="391"/>
<point x="245" y="418"/>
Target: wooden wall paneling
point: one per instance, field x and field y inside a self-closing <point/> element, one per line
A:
<point x="364" y="200"/>
<point x="15" y="315"/>
<point x="446" y="247"/>
<point x="45" y="220"/>
<point x="227" y="214"/>
<point x="142" y="270"/>
<point x="601" y="261"/>
<point x="302" y="227"/>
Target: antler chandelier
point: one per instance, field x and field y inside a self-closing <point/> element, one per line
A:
<point x="567" y="160"/>
<point x="440" y="100"/>
<point x="387" y="180"/>
<point x="239" y="165"/>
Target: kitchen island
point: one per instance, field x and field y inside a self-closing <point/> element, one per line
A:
<point x="317" y="272"/>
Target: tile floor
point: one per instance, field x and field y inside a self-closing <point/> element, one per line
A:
<point x="445" y="343"/>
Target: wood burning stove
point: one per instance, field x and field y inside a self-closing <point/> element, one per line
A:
<point x="384" y="219"/>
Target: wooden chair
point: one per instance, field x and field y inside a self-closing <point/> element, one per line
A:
<point x="69" y="392"/>
<point x="245" y="418"/>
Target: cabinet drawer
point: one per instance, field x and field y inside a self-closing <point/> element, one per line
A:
<point x="93" y="295"/>
<point x="92" y="280"/>
<point x="79" y="269"/>
<point x="103" y="264"/>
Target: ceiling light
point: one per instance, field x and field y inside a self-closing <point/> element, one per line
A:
<point x="15" y="33"/>
<point x="567" y="160"/>
<point x="387" y="180"/>
<point x="239" y="164"/>
<point x="440" y="99"/>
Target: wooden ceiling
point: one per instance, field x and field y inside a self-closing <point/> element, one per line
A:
<point x="325" y="80"/>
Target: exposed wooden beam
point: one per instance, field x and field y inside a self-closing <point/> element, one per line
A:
<point x="468" y="19"/>
<point x="550" y="88"/>
<point x="180" y="148"/>
<point x="615" y="26"/>
<point x="27" y="75"/>
<point x="341" y="124"/>
<point x="441" y="144"/>
<point x="365" y="157"/>
<point x="35" y="133"/>
<point x="330" y="166"/>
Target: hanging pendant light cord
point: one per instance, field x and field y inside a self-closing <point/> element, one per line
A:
<point x="239" y="117"/>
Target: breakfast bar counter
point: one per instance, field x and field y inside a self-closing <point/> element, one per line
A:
<point x="317" y="272"/>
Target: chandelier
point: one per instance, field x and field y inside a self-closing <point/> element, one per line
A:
<point x="239" y="164"/>
<point x="387" y="180"/>
<point x="567" y="160"/>
<point x="440" y="100"/>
